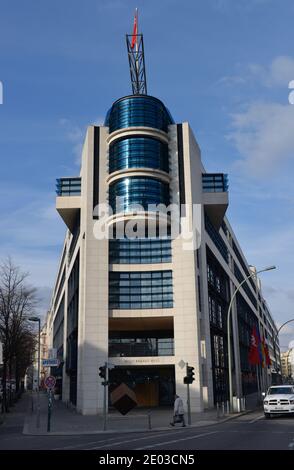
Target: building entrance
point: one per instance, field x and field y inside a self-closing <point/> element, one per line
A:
<point x="153" y="386"/>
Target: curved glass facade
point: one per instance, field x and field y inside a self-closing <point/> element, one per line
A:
<point x="137" y="190"/>
<point x="138" y="152"/>
<point x="138" y="110"/>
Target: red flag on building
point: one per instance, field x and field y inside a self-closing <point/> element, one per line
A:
<point x="135" y="30"/>
<point x="266" y="353"/>
<point x="254" y="351"/>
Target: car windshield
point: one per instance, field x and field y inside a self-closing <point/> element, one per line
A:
<point x="280" y="391"/>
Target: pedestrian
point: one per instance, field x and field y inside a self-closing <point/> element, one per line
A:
<point x="178" y="412"/>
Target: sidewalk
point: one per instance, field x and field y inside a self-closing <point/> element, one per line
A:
<point x="15" y="417"/>
<point x="66" y="421"/>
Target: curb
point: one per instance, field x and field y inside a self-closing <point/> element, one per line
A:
<point x="127" y="431"/>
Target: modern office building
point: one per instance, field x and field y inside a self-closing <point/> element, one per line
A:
<point x="148" y="305"/>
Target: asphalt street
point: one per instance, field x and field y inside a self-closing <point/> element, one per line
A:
<point x="247" y="432"/>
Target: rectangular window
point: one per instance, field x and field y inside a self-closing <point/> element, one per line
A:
<point x="137" y="292"/>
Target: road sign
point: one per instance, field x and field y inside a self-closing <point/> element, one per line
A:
<point x="50" y="382"/>
<point x="50" y="362"/>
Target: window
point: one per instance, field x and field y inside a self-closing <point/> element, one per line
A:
<point x="137" y="291"/>
<point x="138" y="111"/>
<point x="125" y="193"/>
<point x="139" y="251"/>
<point x="138" y="152"/>
<point x="216" y="238"/>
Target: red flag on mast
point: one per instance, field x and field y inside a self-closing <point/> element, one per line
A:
<point x="266" y="353"/>
<point x="254" y="356"/>
<point x="135" y="30"/>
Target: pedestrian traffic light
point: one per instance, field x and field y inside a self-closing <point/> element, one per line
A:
<point x="189" y="379"/>
<point x="102" y="372"/>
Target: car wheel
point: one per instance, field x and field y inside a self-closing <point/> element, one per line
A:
<point x="267" y="415"/>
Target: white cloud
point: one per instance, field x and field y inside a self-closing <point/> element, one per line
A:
<point x="75" y="134"/>
<point x="279" y="73"/>
<point x="264" y="137"/>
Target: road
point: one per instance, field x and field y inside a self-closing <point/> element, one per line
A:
<point x="247" y="432"/>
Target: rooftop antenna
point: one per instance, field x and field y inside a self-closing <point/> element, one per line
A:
<point x="135" y="48"/>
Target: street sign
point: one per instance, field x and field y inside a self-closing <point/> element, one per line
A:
<point x="50" y="382"/>
<point x="50" y="362"/>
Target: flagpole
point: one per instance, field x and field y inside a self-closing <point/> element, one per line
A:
<point x="253" y="274"/>
<point x="137" y="58"/>
<point x="258" y="379"/>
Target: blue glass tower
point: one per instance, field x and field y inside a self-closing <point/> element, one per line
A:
<point x="144" y="151"/>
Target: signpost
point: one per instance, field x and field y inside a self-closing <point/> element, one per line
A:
<point x="189" y="379"/>
<point x="50" y="383"/>
<point x="104" y="374"/>
<point x="51" y="362"/>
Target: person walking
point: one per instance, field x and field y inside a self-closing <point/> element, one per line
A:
<point x="178" y="412"/>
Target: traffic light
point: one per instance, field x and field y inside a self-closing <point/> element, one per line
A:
<point x="189" y="379"/>
<point x="102" y="372"/>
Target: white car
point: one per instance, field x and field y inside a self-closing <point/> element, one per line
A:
<point x="279" y="400"/>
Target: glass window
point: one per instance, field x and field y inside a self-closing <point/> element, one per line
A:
<point x="128" y="251"/>
<point x="127" y="192"/>
<point x="141" y="292"/>
<point x="140" y="152"/>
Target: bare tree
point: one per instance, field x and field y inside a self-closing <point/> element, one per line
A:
<point x="17" y="303"/>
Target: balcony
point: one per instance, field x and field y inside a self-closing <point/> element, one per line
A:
<point x="68" y="200"/>
<point x="215" y="196"/>
<point x="215" y="183"/>
<point x="150" y="347"/>
<point x="68" y="186"/>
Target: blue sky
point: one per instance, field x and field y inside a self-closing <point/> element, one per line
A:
<point x="222" y="65"/>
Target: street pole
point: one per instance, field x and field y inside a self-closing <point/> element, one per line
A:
<point x="188" y="399"/>
<point x="39" y="358"/>
<point x="253" y="274"/>
<point x="105" y="398"/>
<point x="49" y="410"/>
<point x="189" y="404"/>
<point x="37" y="319"/>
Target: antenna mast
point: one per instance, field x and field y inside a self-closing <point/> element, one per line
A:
<point x="135" y="47"/>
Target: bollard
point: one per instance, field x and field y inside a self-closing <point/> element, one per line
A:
<point x="223" y="408"/>
<point x="149" y="420"/>
<point x="228" y="407"/>
<point x="217" y="410"/>
<point x="243" y="404"/>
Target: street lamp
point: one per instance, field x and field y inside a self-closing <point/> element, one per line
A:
<point x="253" y="274"/>
<point x="37" y="319"/>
